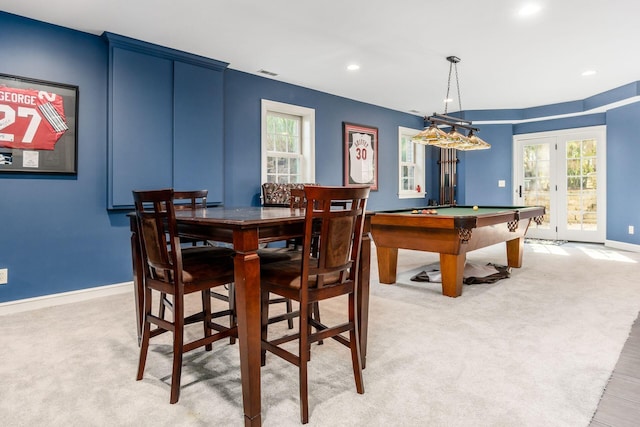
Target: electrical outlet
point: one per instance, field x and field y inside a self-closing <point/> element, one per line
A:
<point x="631" y="229"/>
<point x="4" y="276"/>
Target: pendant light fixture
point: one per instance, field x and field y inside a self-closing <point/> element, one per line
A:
<point x="433" y="135"/>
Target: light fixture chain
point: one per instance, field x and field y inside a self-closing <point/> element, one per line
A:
<point x="446" y="99"/>
<point x="458" y="86"/>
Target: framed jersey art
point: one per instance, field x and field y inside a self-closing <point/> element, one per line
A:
<point x="38" y="126"/>
<point x="360" y="155"/>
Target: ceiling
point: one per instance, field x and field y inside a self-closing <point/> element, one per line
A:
<point x="507" y="61"/>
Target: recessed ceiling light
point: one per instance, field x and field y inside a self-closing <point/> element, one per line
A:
<point x="353" y="67"/>
<point x="529" y="9"/>
<point x="589" y="73"/>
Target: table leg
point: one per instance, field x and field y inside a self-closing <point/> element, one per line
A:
<point x="364" y="274"/>
<point x="247" y="287"/>
<point x="387" y="264"/>
<point x="515" y="248"/>
<point x="452" y="271"/>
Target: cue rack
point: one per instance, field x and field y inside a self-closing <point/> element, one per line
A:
<point x="448" y="164"/>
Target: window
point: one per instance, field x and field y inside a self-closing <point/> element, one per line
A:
<point x="411" y="160"/>
<point x="288" y="152"/>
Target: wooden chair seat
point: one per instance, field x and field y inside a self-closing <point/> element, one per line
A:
<point x="286" y="275"/>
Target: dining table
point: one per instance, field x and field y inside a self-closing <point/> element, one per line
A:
<point x="247" y="229"/>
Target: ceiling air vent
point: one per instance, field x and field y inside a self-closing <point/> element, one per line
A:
<point x="268" y="73"/>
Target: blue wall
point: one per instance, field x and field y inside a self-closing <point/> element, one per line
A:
<point x="623" y="173"/>
<point x="243" y="95"/>
<point x="58" y="236"/>
<point x="481" y="170"/>
<point x="56" y="233"/>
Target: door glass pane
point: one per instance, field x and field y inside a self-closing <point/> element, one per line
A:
<point x="581" y="185"/>
<point x="537" y="169"/>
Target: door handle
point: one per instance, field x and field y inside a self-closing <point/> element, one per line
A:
<point x="520" y="191"/>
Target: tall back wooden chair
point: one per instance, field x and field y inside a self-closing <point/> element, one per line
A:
<point x="294" y="199"/>
<point x="327" y="272"/>
<point x="191" y="200"/>
<point x="176" y="273"/>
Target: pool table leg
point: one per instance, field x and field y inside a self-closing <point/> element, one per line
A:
<point x="387" y="264"/>
<point x="515" y="248"/>
<point x="452" y="270"/>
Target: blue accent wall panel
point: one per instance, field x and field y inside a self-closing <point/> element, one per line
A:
<point x="614" y="95"/>
<point x="558" y="124"/>
<point x="141" y="143"/>
<point x="481" y="169"/>
<point x="198" y="130"/>
<point x="623" y="173"/>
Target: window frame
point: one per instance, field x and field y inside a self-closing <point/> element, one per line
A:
<point x="307" y="137"/>
<point x="419" y="164"/>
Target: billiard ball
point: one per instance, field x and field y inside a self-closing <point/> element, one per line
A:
<point x="475" y="208"/>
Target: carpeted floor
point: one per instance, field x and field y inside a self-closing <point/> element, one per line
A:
<point x="533" y="350"/>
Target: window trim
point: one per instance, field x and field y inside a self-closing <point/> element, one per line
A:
<point x="420" y="162"/>
<point x="307" y="137"/>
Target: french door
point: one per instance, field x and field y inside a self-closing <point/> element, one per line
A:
<point x="564" y="171"/>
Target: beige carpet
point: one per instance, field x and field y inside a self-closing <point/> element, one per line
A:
<point x="533" y="350"/>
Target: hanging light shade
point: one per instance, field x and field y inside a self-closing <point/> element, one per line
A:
<point x="457" y="138"/>
<point x="477" y="143"/>
<point x="433" y="135"/>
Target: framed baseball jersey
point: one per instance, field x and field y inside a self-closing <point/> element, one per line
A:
<point x="360" y="155"/>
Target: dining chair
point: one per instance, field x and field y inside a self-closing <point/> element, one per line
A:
<point x="327" y="272"/>
<point x="175" y="272"/>
<point x="290" y="250"/>
<point x="197" y="199"/>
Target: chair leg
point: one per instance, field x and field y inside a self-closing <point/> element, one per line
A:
<point x="178" y="341"/>
<point x="233" y="319"/>
<point x="146" y="332"/>
<point x="354" y="345"/>
<point x="303" y="352"/>
<point x="206" y="308"/>
<point x="289" y="310"/>
<point x="161" y="308"/>
<point x="264" y="323"/>
<point x="316" y="315"/>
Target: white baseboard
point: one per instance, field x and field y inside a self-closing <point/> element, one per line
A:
<point x="63" y="298"/>
<point x="621" y="245"/>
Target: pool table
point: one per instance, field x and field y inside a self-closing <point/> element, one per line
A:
<point x="451" y="231"/>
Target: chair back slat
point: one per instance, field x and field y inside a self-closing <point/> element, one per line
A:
<point x="157" y="225"/>
<point x="334" y="217"/>
<point x="192" y="199"/>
